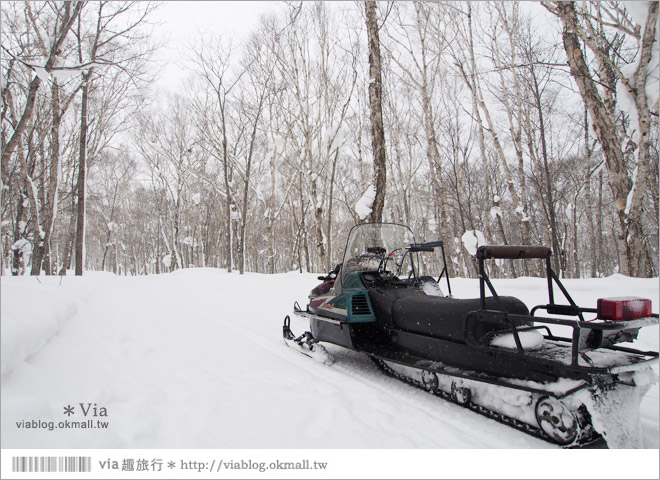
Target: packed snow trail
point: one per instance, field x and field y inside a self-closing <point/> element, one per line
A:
<point x="195" y="359"/>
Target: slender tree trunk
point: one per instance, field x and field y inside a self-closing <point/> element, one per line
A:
<point x="599" y="226"/>
<point x="321" y="252"/>
<point x="176" y="244"/>
<point x="270" y="220"/>
<point x="634" y="206"/>
<point x="18" y="234"/>
<point x="510" y="25"/>
<point x="26" y="117"/>
<point x="49" y="190"/>
<point x="593" y="242"/>
<point x="229" y="198"/>
<point x="550" y="208"/>
<point x="54" y="178"/>
<point x="434" y="158"/>
<point x="376" y="108"/>
<point x="576" y="257"/>
<point x="246" y="187"/>
<point x="70" y="238"/>
<point x="82" y="172"/>
<point x="330" y="209"/>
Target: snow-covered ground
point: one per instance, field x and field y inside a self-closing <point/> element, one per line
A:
<point x="195" y="359"/>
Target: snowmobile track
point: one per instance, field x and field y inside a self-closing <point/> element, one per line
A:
<point x="536" y="432"/>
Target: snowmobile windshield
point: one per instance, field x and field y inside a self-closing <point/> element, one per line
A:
<point x="369" y="243"/>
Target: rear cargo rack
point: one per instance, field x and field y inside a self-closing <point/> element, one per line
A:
<point x="587" y="336"/>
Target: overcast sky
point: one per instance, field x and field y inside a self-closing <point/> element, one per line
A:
<point x="183" y="20"/>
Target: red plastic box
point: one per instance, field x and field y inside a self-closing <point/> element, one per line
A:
<point x="621" y="309"/>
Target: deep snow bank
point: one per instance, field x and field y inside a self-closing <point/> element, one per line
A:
<point x="31" y="313"/>
<point x="195" y="359"/>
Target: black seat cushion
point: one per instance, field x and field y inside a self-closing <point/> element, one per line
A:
<point x="445" y="317"/>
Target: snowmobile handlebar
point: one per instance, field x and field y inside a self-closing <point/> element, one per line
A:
<point x="512" y="251"/>
<point x="420" y="248"/>
<point x="438" y="243"/>
<point x="424" y="247"/>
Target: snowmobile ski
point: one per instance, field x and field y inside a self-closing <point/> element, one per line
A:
<point x="306" y="344"/>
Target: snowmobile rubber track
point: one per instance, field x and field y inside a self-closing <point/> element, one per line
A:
<point x="593" y="441"/>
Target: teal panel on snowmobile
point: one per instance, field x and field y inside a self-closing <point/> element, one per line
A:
<point x="352" y="281"/>
<point x="340" y="301"/>
<point x="355" y="299"/>
<point x="360" y="310"/>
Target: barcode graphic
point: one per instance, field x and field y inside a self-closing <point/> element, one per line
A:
<point x="51" y="464"/>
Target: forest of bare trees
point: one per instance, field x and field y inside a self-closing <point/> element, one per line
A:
<point x="533" y="123"/>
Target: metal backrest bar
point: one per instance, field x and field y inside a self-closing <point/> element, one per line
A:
<point x="512" y="251"/>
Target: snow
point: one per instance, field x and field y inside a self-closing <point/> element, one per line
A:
<point x="495" y="212"/>
<point x="363" y="206"/>
<point x="631" y="194"/>
<point x="27" y="325"/>
<point x="520" y="210"/>
<point x="195" y="359"/>
<point x="433" y="289"/>
<point x="196" y="198"/>
<point x="41" y="72"/>
<point x="531" y="339"/>
<point x="167" y="260"/>
<point x="23" y="246"/>
<point x="607" y="413"/>
<point x="234" y="214"/>
<point x="66" y="73"/>
<point x="472" y="240"/>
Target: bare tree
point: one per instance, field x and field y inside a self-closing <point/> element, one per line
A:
<point x="168" y="143"/>
<point x="588" y="26"/>
<point x="213" y="61"/>
<point x="114" y="28"/>
<point x="65" y="19"/>
<point x="50" y="33"/>
<point x="376" y="109"/>
<point x="422" y="66"/>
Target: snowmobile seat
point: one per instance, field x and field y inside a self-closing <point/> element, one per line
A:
<point x="445" y="317"/>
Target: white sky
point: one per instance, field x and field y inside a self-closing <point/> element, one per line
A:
<point x="183" y="20"/>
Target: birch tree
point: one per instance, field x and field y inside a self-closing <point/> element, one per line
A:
<point x="624" y="151"/>
<point x="115" y="28"/>
<point x="376" y="110"/>
<point x="421" y="64"/>
<point x="50" y="33"/>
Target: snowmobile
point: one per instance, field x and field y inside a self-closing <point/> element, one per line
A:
<point x="560" y="377"/>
